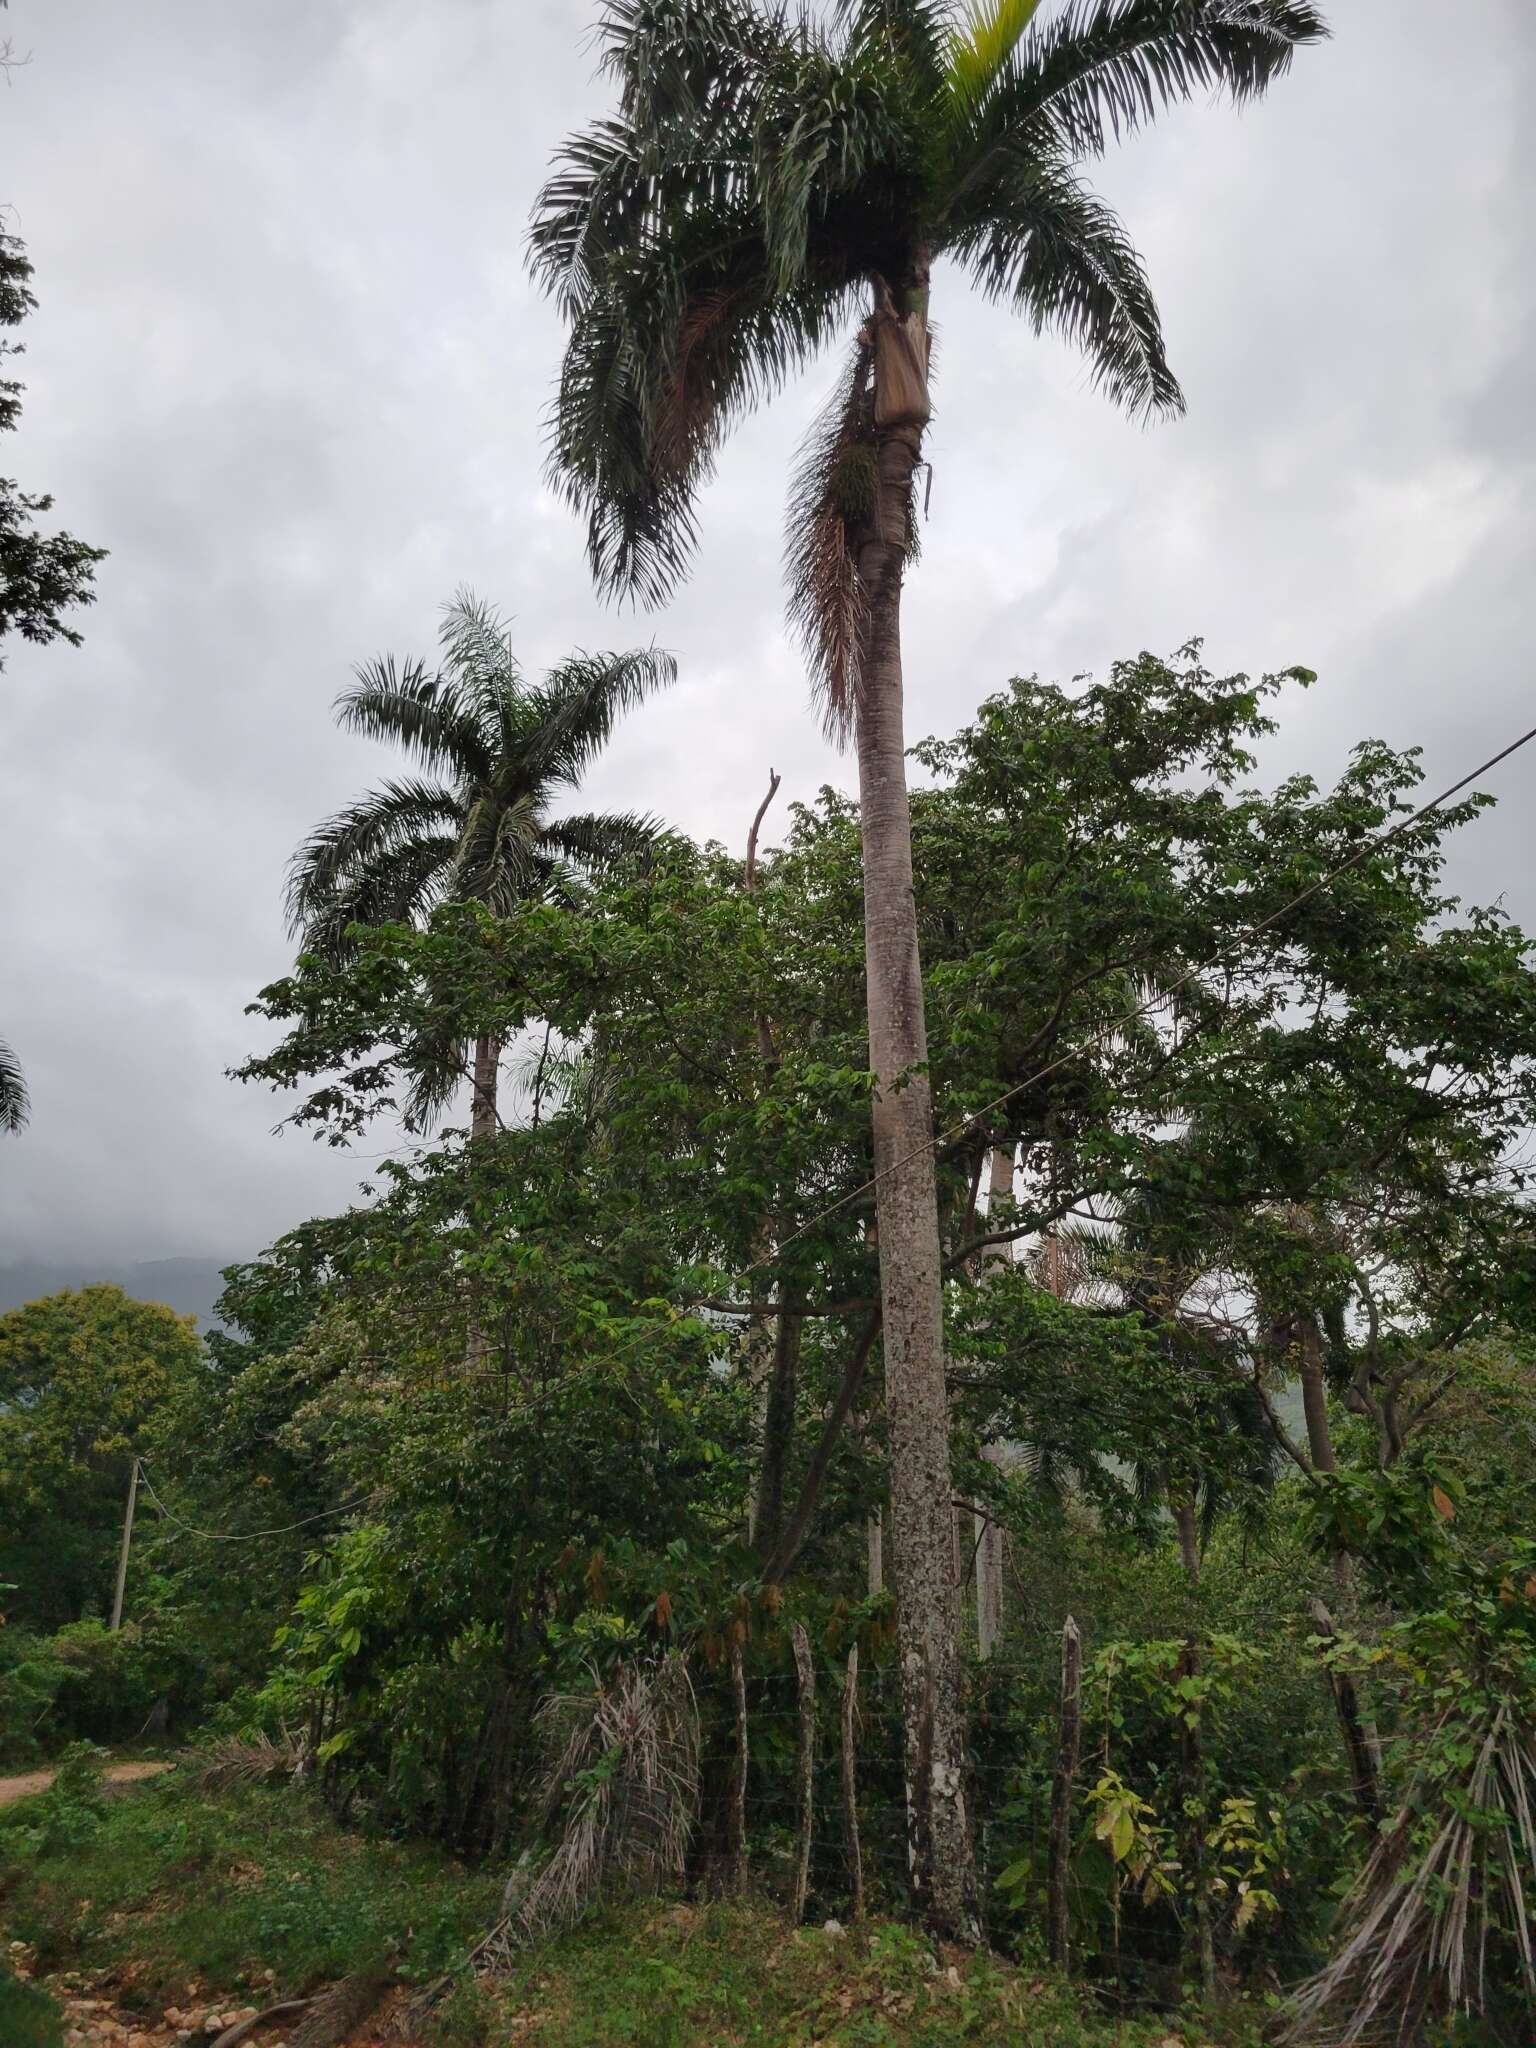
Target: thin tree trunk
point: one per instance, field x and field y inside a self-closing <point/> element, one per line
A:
<point x="776" y="1569"/>
<point x="906" y="1202"/>
<point x="1314" y="1399"/>
<point x="805" y="1671"/>
<point x="778" y="1432"/>
<point x="1192" y="1770"/>
<point x="1189" y="1544"/>
<point x="988" y="1535"/>
<point x="1356" y="1718"/>
<point x="1354" y="1727"/>
<point x="851" y="1783"/>
<point x="874" y="1551"/>
<point x="483" y="1124"/>
<point x="1068" y="1744"/>
<point x="483" y="1119"/>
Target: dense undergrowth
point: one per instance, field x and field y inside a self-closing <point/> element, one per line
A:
<point x="174" y="1884"/>
<point x="178" y="1889"/>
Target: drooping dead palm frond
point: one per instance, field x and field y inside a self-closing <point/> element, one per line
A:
<point x="252" y="1760"/>
<point x="337" y="2013"/>
<point x="1449" y="1882"/>
<point x="630" y="1751"/>
<point x="832" y="495"/>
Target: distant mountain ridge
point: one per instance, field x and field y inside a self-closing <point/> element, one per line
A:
<point x="190" y="1286"/>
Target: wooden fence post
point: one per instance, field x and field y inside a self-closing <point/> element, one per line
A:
<point x="739" y="1787"/>
<point x="1068" y="1741"/>
<point x="807" y="1688"/>
<point x="850" y="1782"/>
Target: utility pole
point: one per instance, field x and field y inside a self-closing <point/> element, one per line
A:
<point x="122" y="1556"/>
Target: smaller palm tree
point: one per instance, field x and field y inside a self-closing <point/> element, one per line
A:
<point x="497" y="751"/>
<point x="15" y="1106"/>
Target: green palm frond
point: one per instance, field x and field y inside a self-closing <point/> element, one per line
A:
<point x="15" y="1103"/>
<point x="439" y="1068"/>
<point x="1103" y="68"/>
<point x="981" y="44"/>
<point x="422" y="712"/>
<point x="364" y="839"/>
<point x="828" y="125"/>
<point x="595" y="839"/>
<point x="493" y="863"/>
<point x="394" y="886"/>
<point x="579" y="703"/>
<point x="916" y="32"/>
<point x="477" y="655"/>
<point x="1044" y="242"/>
<point x="688" y="64"/>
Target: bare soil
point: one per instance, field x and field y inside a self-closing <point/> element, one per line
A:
<point x="22" y="1787"/>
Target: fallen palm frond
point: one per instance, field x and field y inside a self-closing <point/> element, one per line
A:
<point x="1447" y="1882"/>
<point x="335" y="2015"/>
<point x="627" y="1756"/>
<point x="252" y="1760"/>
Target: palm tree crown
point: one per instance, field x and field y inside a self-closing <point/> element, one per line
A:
<point x="498" y="751"/>
<point x="768" y="174"/>
<point x="474" y="827"/>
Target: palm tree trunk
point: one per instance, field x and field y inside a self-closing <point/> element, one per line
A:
<point x="906" y="1207"/>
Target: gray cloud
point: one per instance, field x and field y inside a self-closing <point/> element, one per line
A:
<point x="287" y="367"/>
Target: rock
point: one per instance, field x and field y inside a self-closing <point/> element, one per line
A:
<point x="832" y="1927"/>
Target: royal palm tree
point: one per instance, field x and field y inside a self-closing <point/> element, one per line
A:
<point x="14" y="1104"/>
<point x="499" y="750"/>
<point x="771" y="177"/>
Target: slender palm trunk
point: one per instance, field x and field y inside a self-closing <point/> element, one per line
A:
<point x="911" y="1271"/>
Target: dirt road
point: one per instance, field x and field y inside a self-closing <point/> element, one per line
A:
<point x="12" y="1789"/>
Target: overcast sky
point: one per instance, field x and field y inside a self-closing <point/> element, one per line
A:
<point x="288" y="369"/>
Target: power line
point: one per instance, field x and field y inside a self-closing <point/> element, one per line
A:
<point x="1146" y="1009"/>
<point x="249" y="1535"/>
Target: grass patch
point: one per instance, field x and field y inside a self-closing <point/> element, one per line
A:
<point x="731" y="1976"/>
<point x="169" y="1883"/>
<point x="170" y="1891"/>
<point x="28" y="2017"/>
